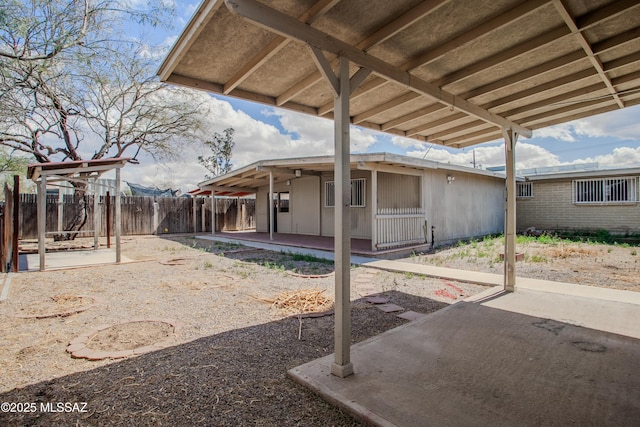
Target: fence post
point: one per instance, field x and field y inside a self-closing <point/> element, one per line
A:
<point x="156" y="220"/>
<point x="16" y="223"/>
<point x="213" y="213"/>
<point x="195" y="215"/>
<point x="108" y="203"/>
<point x="203" y="215"/>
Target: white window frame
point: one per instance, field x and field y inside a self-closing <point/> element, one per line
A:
<point x="358" y="193"/>
<point x="602" y="191"/>
<point x="524" y="190"/>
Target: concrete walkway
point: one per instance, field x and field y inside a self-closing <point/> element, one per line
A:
<point x="69" y="259"/>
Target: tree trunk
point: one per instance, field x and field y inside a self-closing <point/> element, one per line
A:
<point x="78" y="218"/>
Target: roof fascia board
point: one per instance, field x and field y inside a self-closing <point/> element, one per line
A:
<point x="585" y="174"/>
<point x="77" y="170"/>
<point x="192" y="83"/>
<point x="400" y="170"/>
<point x="222" y="188"/>
<point x="287" y="26"/>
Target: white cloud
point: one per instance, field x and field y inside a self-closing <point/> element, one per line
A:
<point x="563" y="132"/>
<point x="254" y="141"/>
<point x="620" y="157"/>
<point x="527" y="156"/>
<point x="622" y="124"/>
<point x="409" y="143"/>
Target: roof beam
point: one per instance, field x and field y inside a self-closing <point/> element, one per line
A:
<point x="402" y="99"/>
<point x="478" y="31"/>
<point x="506" y="55"/>
<point x="405" y="20"/>
<point x="384" y="33"/>
<point x="491" y="25"/>
<point x="285" y="25"/>
<point x="317" y="10"/>
<point x="536" y="90"/>
<point x="411" y="116"/>
<point x="586" y="21"/>
<point x="448" y="119"/>
<point x="568" y="18"/>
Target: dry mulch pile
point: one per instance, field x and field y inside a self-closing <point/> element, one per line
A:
<point x="227" y="362"/>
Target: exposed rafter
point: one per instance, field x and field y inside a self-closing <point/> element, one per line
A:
<point x="279" y="42"/>
<point x="285" y="25"/>
<point x="586" y="46"/>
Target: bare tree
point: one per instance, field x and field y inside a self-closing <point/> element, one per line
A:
<point x="221" y="146"/>
<point x="72" y="87"/>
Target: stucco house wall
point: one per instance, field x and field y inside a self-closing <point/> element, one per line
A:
<point x="471" y="206"/>
<point x="468" y="206"/>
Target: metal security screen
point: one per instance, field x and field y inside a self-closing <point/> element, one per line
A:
<point x="524" y="190"/>
<point x="358" y="190"/>
<point x="605" y="190"/>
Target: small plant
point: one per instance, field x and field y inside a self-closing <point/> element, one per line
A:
<point x="207" y="264"/>
<point x="538" y="258"/>
<point x="408" y="275"/>
<point x="634" y="252"/>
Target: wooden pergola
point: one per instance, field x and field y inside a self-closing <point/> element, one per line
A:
<point x="450" y="72"/>
<point x="86" y="171"/>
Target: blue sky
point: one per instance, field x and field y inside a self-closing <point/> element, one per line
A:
<point x="264" y="132"/>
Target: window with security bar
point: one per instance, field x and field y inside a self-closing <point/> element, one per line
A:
<point x="358" y="191"/>
<point x="605" y="190"/>
<point x="524" y="190"/>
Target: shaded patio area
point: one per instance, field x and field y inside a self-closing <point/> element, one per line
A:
<point x="485" y="363"/>
<point x="361" y="247"/>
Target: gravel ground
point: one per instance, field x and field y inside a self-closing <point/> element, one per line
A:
<point x="227" y="362"/>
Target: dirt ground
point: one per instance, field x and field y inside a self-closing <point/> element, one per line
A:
<point x="548" y="258"/>
<point x="227" y="334"/>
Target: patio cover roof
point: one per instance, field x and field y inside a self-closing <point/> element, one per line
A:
<point x="451" y="72"/>
<point x="251" y="177"/>
<point x="75" y="171"/>
<point x="75" y="168"/>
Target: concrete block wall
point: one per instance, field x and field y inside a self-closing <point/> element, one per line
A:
<point x="551" y="208"/>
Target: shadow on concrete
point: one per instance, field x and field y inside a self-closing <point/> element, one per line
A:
<point x="471" y="364"/>
<point x="232" y="378"/>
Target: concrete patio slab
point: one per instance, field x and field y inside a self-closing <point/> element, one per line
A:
<point x="69" y="259"/>
<point x="484" y="363"/>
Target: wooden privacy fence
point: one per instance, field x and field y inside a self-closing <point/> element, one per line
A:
<point x="9" y="228"/>
<point x="141" y="215"/>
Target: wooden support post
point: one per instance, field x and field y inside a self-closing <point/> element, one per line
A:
<point x="42" y="216"/>
<point x="271" y="218"/>
<point x="61" y="192"/>
<point x="510" y="139"/>
<point x="96" y="215"/>
<point x="342" y="366"/>
<point x="118" y="219"/>
<point x="213" y="213"/>
<point x="203" y="215"/>
<point x="108" y="209"/>
<point x="374" y="209"/>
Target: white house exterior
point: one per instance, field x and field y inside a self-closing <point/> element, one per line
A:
<point x="396" y="201"/>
